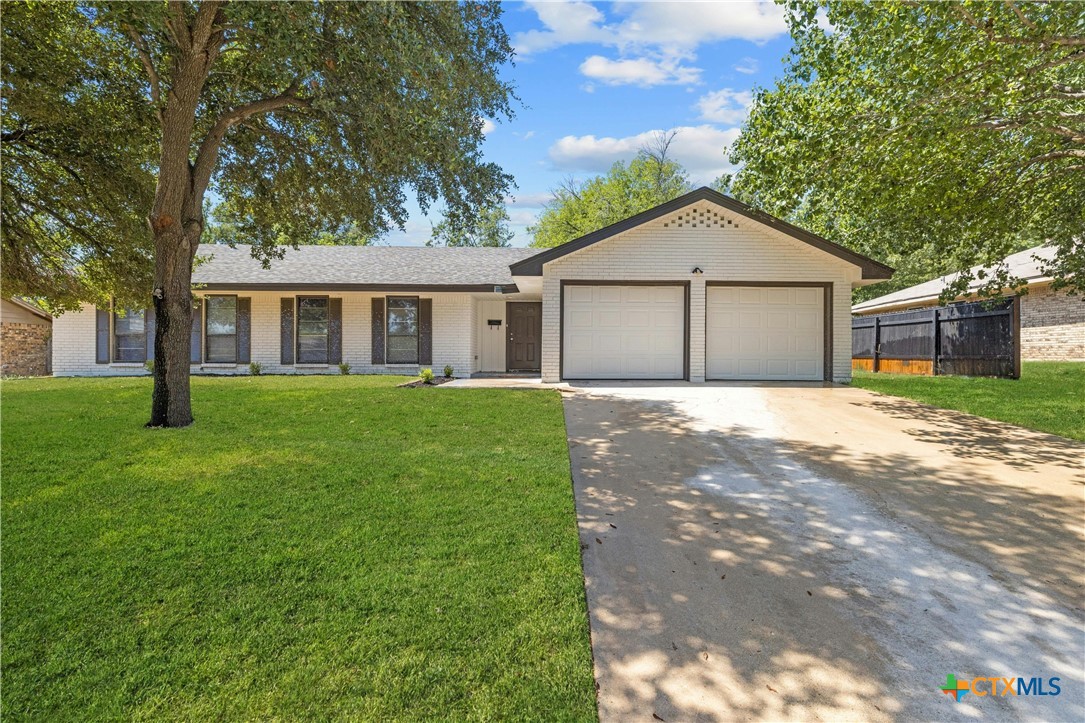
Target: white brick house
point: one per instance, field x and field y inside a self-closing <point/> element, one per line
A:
<point x="701" y="287"/>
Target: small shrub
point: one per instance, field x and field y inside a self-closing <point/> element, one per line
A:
<point x="344" y="368"/>
<point x="426" y="376"/>
<point x="449" y="370"/>
<point x="256" y="368"/>
<point x="149" y="365"/>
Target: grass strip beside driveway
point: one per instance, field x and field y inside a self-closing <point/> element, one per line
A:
<point x="311" y="547"/>
<point x="1049" y="396"/>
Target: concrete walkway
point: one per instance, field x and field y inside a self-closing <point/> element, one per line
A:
<point x="800" y="552"/>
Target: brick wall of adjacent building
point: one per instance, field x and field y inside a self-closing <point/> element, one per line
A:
<point x="1052" y="325"/>
<point x="24" y="349"/>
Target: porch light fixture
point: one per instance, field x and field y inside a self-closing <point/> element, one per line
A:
<point x="697" y="271"/>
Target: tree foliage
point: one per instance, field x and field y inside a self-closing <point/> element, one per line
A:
<point x="489" y="228"/>
<point x="76" y="150"/>
<point x="578" y="208"/>
<point x="307" y="116"/>
<point x="935" y="136"/>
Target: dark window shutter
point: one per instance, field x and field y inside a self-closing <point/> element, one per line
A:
<point x="286" y="330"/>
<point x="101" y="337"/>
<point x="425" y="331"/>
<point x="378" y="331"/>
<point x="244" y="329"/>
<point x="148" y="327"/>
<point x="335" y="331"/>
<point x="195" y="355"/>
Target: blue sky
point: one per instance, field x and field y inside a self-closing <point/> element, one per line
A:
<point x="596" y="80"/>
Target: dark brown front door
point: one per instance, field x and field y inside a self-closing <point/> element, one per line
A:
<point x="524" y="349"/>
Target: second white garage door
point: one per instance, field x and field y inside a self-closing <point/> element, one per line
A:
<point x="754" y="332"/>
<point x="624" y="332"/>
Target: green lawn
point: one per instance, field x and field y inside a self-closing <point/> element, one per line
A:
<point x="313" y="547"/>
<point x="1049" y="396"/>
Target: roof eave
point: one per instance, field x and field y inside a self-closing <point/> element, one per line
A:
<point x="312" y="287"/>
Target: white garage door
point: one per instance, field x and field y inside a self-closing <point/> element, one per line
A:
<point x="624" y="332"/>
<point x="764" y="333"/>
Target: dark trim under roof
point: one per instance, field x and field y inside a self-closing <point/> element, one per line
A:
<point x="288" y="287"/>
<point x="533" y="265"/>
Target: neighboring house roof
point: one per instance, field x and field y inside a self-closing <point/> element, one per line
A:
<point x="32" y="308"/>
<point x="361" y="268"/>
<point x="871" y="269"/>
<point x="1025" y="265"/>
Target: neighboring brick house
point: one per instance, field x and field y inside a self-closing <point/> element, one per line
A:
<point x="25" y="335"/>
<point x="702" y="287"/>
<point x="1052" y="322"/>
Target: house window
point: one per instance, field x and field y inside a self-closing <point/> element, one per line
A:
<point x="221" y="329"/>
<point x="312" y="330"/>
<point x="129" y="336"/>
<point x="402" y="330"/>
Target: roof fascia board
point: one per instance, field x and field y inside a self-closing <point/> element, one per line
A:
<point x="533" y="265"/>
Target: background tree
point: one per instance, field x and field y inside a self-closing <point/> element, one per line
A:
<point x="75" y="152"/>
<point x="935" y="136"/>
<point x="306" y="116"/>
<point x="578" y="208"/>
<point x="489" y="228"/>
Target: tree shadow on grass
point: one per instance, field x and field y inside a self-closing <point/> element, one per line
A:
<point x="732" y="574"/>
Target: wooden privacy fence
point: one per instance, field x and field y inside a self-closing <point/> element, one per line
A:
<point x="979" y="339"/>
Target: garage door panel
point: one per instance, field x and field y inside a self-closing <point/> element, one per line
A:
<point x="578" y="294"/>
<point x="777" y="296"/>
<point x="578" y="319"/>
<point x="636" y="319"/>
<point x="749" y="296"/>
<point x="764" y="333"/>
<point x="749" y="319"/>
<point x="607" y="319"/>
<point x="631" y="332"/>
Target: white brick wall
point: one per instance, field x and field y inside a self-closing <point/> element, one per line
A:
<point x="663" y="251"/>
<point x="453" y="342"/>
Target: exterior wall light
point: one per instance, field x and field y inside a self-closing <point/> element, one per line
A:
<point x="697" y="271"/>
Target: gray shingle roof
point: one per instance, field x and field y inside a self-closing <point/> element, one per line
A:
<point x="1023" y="265"/>
<point x="343" y="266"/>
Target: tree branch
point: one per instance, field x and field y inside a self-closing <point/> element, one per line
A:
<point x="148" y="65"/>
<point x="207" y="19"/>
<point x="1053" y="156"/>
<point x="1041" y="40"/>
<point x="1020" y="15"/>
<point x="207" y="156"/>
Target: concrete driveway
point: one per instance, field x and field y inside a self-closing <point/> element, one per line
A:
<point x="812" y="552"/>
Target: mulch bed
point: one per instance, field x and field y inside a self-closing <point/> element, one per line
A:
<point x="437" y="381"/>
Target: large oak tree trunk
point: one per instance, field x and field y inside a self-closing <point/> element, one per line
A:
<point x="171" y="404"/>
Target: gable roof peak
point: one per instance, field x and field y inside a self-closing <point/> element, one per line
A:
<point x="871" y="269"/>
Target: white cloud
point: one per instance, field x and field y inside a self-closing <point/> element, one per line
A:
<point x="725" y="106"/>
<point x="488" y="126"/>
<point x="685" y="25"/>
<point x="748" y="66"/>
<point x="527" y="200"/>
<point x="644" y="72"/>
<point x="702" y="150"/>
<point x="523" y="216"/>
<point x="528" y="135"/>
<point x="565" y="23"/>
<point x="669" y="29"/>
